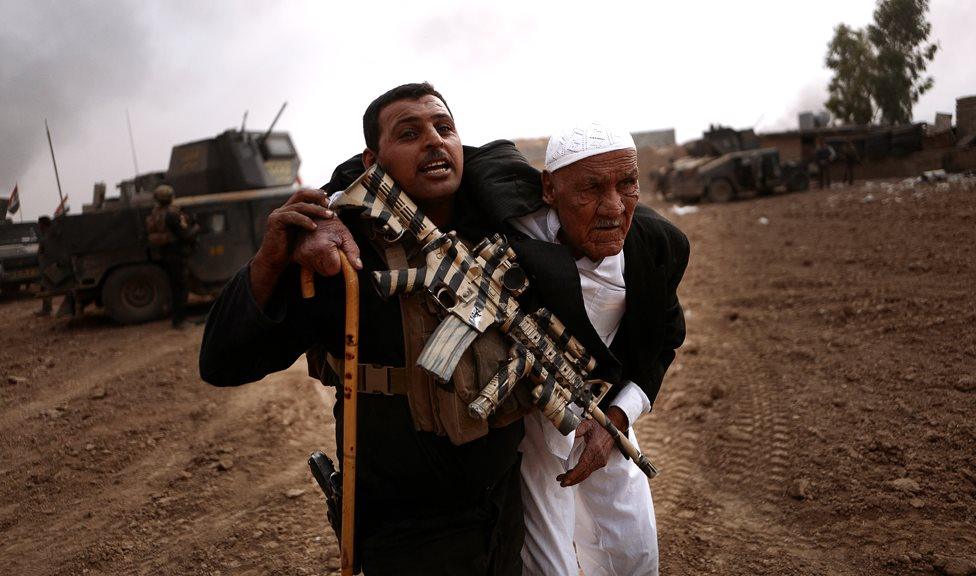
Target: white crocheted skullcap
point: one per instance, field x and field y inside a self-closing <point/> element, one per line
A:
<point x="584" y="140"/>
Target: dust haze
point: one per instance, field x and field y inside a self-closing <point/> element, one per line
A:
<point x="61" y="61"/>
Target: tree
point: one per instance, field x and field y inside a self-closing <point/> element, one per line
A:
<point x="900" y="36"/>
<point x="879" y="72"/>
<point x="852" y="59"/>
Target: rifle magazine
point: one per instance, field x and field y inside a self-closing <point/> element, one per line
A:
<point x="445" y="346"/>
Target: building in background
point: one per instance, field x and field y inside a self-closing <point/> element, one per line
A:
<point x="655" y="148"/>
<point x="890" y="151"/>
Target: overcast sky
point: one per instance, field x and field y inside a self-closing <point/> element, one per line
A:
<point x="187" y="70"/>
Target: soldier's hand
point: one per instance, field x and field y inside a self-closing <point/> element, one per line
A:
<point x="599" y="446"/>
<point x="319" y="250"/>
<point x="297" y="214"/>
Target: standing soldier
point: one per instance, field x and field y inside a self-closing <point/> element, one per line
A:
<point x="171" y="237"/>
<point x="824" y="155"/>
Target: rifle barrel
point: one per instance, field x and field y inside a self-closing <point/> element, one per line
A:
<point x="273" y="122"/>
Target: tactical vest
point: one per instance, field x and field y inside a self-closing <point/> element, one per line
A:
<point x="435" y="406"/>
<point x="158" y="232"/>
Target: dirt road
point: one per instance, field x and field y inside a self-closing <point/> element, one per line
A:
<point x="819" y="419"/>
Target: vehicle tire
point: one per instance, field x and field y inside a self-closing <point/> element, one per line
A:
<point x="798" y="180"/>
<point x="720" y="190"/>
<point x="135" y="294"/>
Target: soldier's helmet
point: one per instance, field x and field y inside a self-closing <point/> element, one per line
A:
<point x="163" y="194"/>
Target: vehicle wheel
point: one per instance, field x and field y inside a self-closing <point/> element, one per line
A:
<point x="798" y="180"/>
<point x="720" y="190"/>
<point x="135" y="294"/>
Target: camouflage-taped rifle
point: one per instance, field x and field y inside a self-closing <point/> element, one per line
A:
<point x="479" y="287"/>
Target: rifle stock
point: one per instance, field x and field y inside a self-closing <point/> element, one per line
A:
<point x="393" y="282"/>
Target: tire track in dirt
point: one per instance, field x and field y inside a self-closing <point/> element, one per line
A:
<point x="97" y="373"/>
<point x="730" y="500"/>
<point x="729" y="444"/>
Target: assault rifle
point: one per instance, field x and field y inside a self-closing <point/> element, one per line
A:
<point x="479" y="287"/>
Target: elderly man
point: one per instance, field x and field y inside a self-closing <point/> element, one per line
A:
<point x="609" y="268"/>
<point x="629" y="262"/>
<point x="437" y="492"/>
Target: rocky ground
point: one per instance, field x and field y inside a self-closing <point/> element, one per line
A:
<point x="819" y="419"/>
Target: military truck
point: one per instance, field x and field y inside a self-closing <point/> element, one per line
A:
<point x="18" y="255"/>
<point x="726" y="164"/>
<point x="228" y="184"/>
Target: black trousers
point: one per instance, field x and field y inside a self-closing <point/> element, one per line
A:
<point x="824" y="175"/>
<point x="481" y="541"/>
<point x="175" y="268"/>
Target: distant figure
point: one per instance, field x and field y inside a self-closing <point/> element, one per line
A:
<point x="849" y="153"/>
<point x="824" y="155"/>
<point x="171" y="236"/>
<point x="43" y="225"/>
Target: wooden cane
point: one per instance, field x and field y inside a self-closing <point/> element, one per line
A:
<point x="350" y="387"/>
<point x="308" y="283"/>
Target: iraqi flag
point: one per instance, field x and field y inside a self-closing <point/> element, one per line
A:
<point x="13" y="203"/>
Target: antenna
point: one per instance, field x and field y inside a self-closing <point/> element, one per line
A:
<point x="244" y="122"/>
<point x="132" y="144"/>
<point x="275" y="121"/>
<point x="53" y="161"/>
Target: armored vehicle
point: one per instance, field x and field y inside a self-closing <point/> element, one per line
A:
<point x="228" y="185"/>
<point x="726" y="164"/>
<point x="18" y="255"/>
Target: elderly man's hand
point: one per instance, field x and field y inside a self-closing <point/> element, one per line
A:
<point x="599" y="447"/>
<point x="319" y="250"/>
<point x="297" y="214"/>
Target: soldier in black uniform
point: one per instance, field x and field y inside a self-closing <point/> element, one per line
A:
<point x="171" y="235"/>
<point x="430" y="499"/>
<point x="824" y="155"/>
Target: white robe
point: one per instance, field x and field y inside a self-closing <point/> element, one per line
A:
<point x="610" y="515"/>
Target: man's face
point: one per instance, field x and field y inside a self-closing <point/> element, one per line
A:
<point x="420" y="148"/>
<point x="595" y="199"/>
